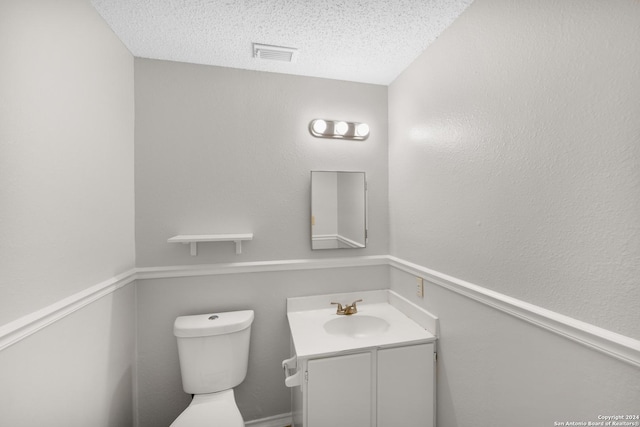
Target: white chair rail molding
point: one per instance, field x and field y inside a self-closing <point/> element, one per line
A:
<point x="602" y="340"/>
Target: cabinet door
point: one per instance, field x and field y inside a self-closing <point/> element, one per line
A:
<point x="406" y="386"/>
<point x="339" y="391"/>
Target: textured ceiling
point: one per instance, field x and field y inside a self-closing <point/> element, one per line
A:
<point x="369" y="41"/>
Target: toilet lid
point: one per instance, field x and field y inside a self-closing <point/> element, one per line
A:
<point x="211" y="410"/>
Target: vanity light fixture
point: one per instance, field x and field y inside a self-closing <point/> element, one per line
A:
<point x="338" y="129"/>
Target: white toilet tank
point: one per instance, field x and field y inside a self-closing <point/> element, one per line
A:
<point x="213" y="350"/>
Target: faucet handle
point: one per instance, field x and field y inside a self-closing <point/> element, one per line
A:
<point x="340" y="309"/>
<point x="353" y="304"/>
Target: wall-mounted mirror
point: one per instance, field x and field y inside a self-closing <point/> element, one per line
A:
<point x="338" y="210"/>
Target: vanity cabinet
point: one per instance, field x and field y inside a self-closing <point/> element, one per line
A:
<point x="370" y="369"/>
<point x="406" y="386"/>
<point x="340" y="391"/>
<point x="374" y="388"/>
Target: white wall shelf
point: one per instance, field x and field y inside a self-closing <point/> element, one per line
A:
<point x="194" y="239"/>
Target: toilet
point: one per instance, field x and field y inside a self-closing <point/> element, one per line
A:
<point x="214" y="354"/>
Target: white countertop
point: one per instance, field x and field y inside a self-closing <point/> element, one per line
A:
<point x="408" y="323"/>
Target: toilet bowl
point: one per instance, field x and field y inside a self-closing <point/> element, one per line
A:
<point x="211" y="410"/>
<point x="214" y="354"/>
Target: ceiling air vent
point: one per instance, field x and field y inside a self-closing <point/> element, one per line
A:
<point x="274" y="53"/>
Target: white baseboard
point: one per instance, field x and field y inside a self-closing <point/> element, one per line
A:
<point x="615" y="345"/>
<point x="281" y="420"/>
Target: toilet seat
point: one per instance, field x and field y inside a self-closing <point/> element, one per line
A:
<point x="209" y="410"/>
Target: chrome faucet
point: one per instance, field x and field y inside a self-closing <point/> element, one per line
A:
<point x="347" y="310"/>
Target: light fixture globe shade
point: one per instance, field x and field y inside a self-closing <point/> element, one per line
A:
<point x="319" y="126"/>
<point x="362" y="129"/>
<point x="341" y="128"/>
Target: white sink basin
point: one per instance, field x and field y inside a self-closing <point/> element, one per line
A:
<point x="384" y="319"/>
<point x="356" y="326"/>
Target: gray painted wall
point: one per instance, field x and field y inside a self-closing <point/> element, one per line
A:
<point x="514" y="156"/>
<point x="66" y="213"/>
<point x="222" y="150"/>
<point x="514" y="165"/>
<point x="495" y="369"/>
<point x="79" y="371"/>
<point x="66" y="153"/>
